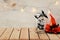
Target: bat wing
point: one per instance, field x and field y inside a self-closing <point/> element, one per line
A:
<point x="44" y="14"/>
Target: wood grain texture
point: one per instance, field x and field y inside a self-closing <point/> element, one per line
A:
<point x="2" y="30"/>
<point x="24" y="34"/>
<point x="53" y="37"/>
<point x="43" y="35"/>
<point x="33" y="34"/>
<point x="58" y="35"/>
<point x="6" y="34"/>
<point x="15" y="34"/>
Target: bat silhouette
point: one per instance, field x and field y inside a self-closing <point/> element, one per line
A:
<point x="41" y="15"/>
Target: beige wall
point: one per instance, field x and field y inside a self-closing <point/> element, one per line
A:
<point x="14" y="17"/>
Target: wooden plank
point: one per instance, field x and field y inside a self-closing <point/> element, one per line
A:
<point x="58" y="35"/>
<point x="53" y="37"/>
<point x="15" y="34"/>
<point x="43" y="35"/>
<point x="24" y="34"/>
<point x="2" y="30"/>
<point x="33" y="34"/>
<point x="6" y="34"/>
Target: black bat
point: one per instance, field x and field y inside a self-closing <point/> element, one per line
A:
<point x="36" y="17"/>
<point x="41" y="15"/>
<point x="44" y="14"/>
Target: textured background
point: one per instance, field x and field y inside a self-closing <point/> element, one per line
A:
<point x="13" y="17"/>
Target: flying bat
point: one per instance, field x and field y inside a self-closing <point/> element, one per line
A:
<point x="43" y="14"/>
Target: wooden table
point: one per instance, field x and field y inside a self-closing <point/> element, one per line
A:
<point x="26" y="34"/>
